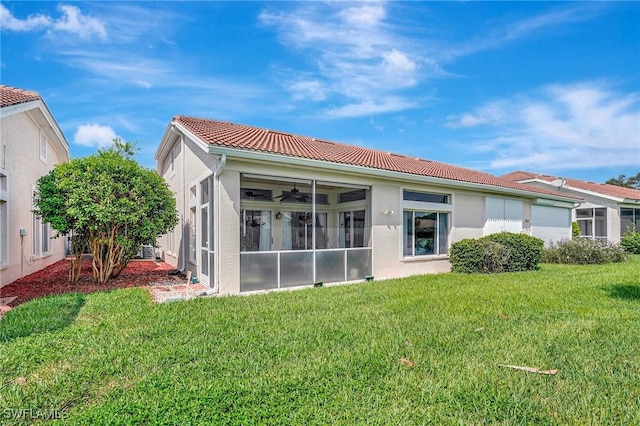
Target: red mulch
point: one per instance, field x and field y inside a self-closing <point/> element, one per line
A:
<point x="54" y="280"/>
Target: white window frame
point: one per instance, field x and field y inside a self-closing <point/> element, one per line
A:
<point x="436" y="242"/>
<point x="41" y="233"/>
<point x="427" y="207"/>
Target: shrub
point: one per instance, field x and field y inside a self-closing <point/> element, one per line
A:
<point x="524" y="251"/>
<point x="478" y="256"/>
<point x="631" y="241"/>
<point x="584" y="251"/>
<point x="575" y="230"/>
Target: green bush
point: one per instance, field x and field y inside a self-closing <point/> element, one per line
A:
<point x="584" y="251"/>
<point x="631" y="241"/>
<point x="525" y="251"/>
<point x="478" y="256"/>
<point x="575" y="230"/>
<point x="503" y="252"/>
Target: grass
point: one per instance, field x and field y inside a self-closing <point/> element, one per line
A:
<point x="418" y="350"/>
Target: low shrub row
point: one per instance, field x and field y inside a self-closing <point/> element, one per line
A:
<point x="631" y="241"/>
<point x="502" y="252"/>
<point x="584" y="251"/>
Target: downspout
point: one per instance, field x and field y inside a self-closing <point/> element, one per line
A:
<point x="183" y="265"/>
<point x="216" y="223"/>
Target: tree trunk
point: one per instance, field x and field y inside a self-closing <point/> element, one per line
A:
<point x="109" y="256"/>
<point x="79" y="242"/>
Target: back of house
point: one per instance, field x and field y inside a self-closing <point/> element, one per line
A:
<point x="31" y="145"/>
<point x="264" y="209"/>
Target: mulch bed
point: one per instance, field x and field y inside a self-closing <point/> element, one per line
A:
<point x="54" y="280"/>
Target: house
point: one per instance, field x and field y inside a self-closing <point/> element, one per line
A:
<point x="262" y="209"/>
<point x="607" y="212"/>
<point x="31" y="144"/>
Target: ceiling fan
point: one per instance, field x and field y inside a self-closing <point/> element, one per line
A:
<point x="293" y="195"/>
<point x="256" y="194"/>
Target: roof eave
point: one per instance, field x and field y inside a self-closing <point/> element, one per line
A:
<point x="41" y="106"/>
<point x="307" y="162"/>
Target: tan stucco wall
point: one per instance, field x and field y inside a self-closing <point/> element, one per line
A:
<point x="467" y="214"/>
<point x="20" y="158"/>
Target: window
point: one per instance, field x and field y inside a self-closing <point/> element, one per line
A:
<point x="425" y="233"/>
<point x="297" y="230"/>
<point x="629" y="219"/>
<point x="302" y="197"/>
<point x="204" y="191"/>
<point x="40" y="238"/>
<point x="592" y="222"/>
<point x="356" y="195"/>
<point x="43" y="147"/>
<point x="352" y="229"/>
<point x="425" y="197"/>
<point x="255" y="230"/>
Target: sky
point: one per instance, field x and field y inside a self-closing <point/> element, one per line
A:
<point x="547" y="87"/>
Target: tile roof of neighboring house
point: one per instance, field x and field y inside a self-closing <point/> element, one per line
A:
<point x="599" y="188"/>
<point x="13" y="96"/>
<point x="251" y="138"/>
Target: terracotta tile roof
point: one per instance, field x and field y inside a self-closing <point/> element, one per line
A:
<point x="270" y="141"/>
<point x="599" y="188"/>
<point x="13" y="96"/>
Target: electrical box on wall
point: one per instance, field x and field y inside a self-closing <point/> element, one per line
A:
<point x="23" y="232"/>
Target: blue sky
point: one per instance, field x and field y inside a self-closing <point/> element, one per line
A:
<point x="497" y="86"/>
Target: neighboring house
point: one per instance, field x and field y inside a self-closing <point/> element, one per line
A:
<point x="607" y="212"/>
<point x="262" y="209"/>
<point x="31" y="144"/>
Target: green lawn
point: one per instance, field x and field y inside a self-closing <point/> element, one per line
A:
<point x="412" y="351"/>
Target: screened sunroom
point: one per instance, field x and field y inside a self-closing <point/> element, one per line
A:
<point x="296" y="232"/>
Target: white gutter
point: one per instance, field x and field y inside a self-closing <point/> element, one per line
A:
<point x="216" y="215"/>
<point x="306" y="162"/>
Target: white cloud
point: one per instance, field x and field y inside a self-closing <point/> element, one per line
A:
<point x="71" y="21"/>
<point x="371" y="107"/>
<point x="74" y="22"/>
<point x="358" y="59"/>
<point x="313" y="90"/>
<point x="365" y="15"/>
<point x="561" y="126"/>
<point x="94" y="135"/>
<point x="10" y="22"/>
<point x="542" y="23"/>
<point x="493" y="113"/>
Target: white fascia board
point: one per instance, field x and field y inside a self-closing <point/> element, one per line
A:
<point x="348" y="168"/>
<point x="578" y="190"/>
<point x="163" y="147"/>
<point x="167" y="140"/>
<point x="18" y="108"/>
<point x="40" y="106"/>
<point x="56" y="129"/>
<point x="555" y="203"/>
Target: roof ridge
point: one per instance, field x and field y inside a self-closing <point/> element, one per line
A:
<point x="244" y="137"/>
